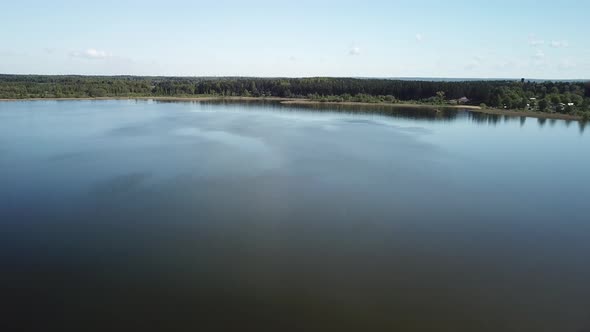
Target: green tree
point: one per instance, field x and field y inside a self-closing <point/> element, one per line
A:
<point x="440" y="96"/>
<point x="577" y="99"/>
<point x="555" y="99"/>
<point x="543" y="104"/>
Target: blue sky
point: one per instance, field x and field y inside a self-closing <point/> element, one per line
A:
<point x="491" y="39"/>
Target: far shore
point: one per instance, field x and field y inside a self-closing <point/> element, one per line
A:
<point x="301" y="101"/>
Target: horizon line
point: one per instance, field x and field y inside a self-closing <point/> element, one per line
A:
<point x="402" y="78"/>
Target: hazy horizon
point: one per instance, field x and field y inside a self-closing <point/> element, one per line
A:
<point x="455" y="39"/>
<point x="431" y="79"/>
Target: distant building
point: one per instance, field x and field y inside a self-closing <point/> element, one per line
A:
<point x="463" y="100"/>
<point x="560" y="107"/>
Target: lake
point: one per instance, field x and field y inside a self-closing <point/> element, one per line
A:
<point x="146" y="215"/>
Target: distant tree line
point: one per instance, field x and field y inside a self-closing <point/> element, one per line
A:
<point x="566" y="97"/>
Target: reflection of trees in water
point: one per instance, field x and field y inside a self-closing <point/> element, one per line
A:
<point x="417" y="113"/>
<point x="226" y="102"/>
<point x="484" y="118"/>
<point x="421" y="113"/>
<point x="493" y="119"/>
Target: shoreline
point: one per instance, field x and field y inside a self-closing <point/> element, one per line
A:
<point x="202" y="98"/>
<point x="300" y="101"/>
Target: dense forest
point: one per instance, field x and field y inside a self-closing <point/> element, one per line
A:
<point x="563" y="97"/>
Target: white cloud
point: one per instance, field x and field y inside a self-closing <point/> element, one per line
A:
<point x="10" y="53"/>
<point x="419" y="37"/>
<point x="92" y="53"/>
<point x="559" y="43"/>
<point x="539" y="59"/>
<point x="475" y="62"/>
<point x="567" y="64"/>
<point x="534" y="41"/>
<point x="354" y="51"/>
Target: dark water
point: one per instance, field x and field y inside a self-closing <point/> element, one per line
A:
<point x="139" y="215"/>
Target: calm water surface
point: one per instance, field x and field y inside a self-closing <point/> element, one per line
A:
<point x="141" y="215"/>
